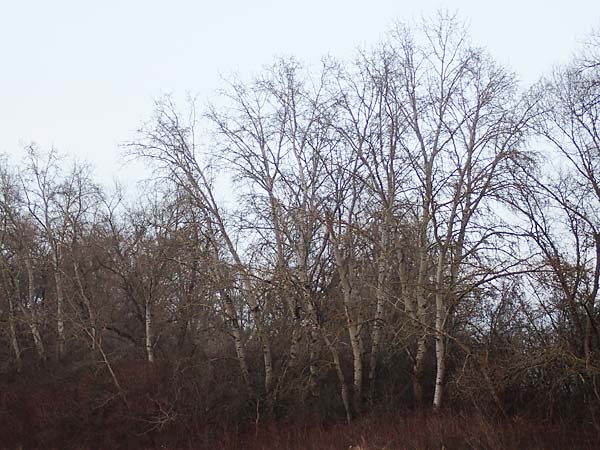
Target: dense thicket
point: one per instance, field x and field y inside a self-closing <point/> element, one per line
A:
<point x="407" y="230"/>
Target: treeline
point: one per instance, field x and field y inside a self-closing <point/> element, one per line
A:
<point x="411" y="229"/>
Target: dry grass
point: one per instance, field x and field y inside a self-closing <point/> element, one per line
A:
<point x="82" y="414"/>
<point x="422" y="432"/>
<point x="411" y="432"/>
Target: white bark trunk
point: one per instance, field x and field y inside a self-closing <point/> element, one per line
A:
<point x="88" y="306"/>
<point x="268" y="360"/>
<point x="12" y="328"/>
<point x="240" y="351"/>
<point x="294" y="346"/>
<point x="32" y="316"/>
<point x="13" y="334"/>
<point x="342" y="379"/>
<point x="251" y="298"/>
<point x="420" y="318"/>
<point x="60" y="324"/>
<point x="149" y="331"/>
<point x="440" y="351"/>
<point x="379" y="309"/>
<point x="353" y="327"/>
<point x="313" y="367"/>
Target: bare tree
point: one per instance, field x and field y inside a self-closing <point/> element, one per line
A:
<point x="464" y="128"/>
<point x="561" y="204"/>
<point x="170" y="144"/>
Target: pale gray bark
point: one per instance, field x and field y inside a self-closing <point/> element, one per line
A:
<point x="231" y="317"/>
<point x="12" y="327"/>
<point x="345" y="272"/>
<point x="13" y="334"/>
<point x="149" y="336"/>
<point x="88" y="306"/>
<point x="341" y="377"/>
<point x="60" y="322"/>
<point x="381" y="298"/>
<point x="419" y="314"/>
<point x="31" y="313"/>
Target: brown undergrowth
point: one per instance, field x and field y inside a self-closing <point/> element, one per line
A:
<point x="83" y="411"/>
<point x="415" y="431"/>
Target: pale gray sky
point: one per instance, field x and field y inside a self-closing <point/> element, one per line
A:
<point x="81" y="75"/>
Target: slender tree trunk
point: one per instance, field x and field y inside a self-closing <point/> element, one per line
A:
<point x="240" y="351"/>
<point x="88" y="306"/>
<point x="113" y="375"/>
<point x="376" y="340"/>
<point x="342" y="379"/>
<point x="32" y="316"/>
<point x="313" y="318"/>
<point x="354" y="334"/>
<point x="420" y="319"/>
<point x="418" y="369"/>
<point x="280" y="267"/>
<point x="295" y="346"/>
<point x="149" y="331"/>
<point x="414" y="304"/>
<point x="13" y="333"/>
<point x="268" y="360"/>
<point x="60" y="324"/>
<point x="379" y="310"/>
<point x="444" y="287"/>
<point x="344" y="272"/>
<point x="266" y="349"/>
<point x="12" y="328"/>
<point x="315" y="332"/>
<point x="353" y="328"/>
<point x="591" y="305"/>
<point x="440" y="354"/>
<point x="37" y="340"/>
<point x="252" y="301"/>
<point x="312" y="363"/>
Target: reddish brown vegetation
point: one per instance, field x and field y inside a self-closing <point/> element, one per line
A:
<point x="80" y="410"/>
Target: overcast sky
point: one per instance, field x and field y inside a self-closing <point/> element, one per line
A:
<point x="81" y="75"/>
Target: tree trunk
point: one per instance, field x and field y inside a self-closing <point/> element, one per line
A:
<point x="11" y="319"/>
<point x="240" y="351"/>
<point x="31" y="314"/>
<point x="345" y="272"/>
<point x="418" y="369"/>
<point x="379" y="310"/>
<point x="440" y="319"/>
<point x="312" y="363"/>
<point x="294" y="346"/>
<point x="342" y="379"/>
<point x="60" y="324"/>
<point x="353" y="328"/>
<point x="13" y="334"/>
<point x="268" y="360"/>
<point x="440" y="352"/>
<point x="88" y="306"/>
<point x="149" y="331"/>
<point x="420" y="318"/>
